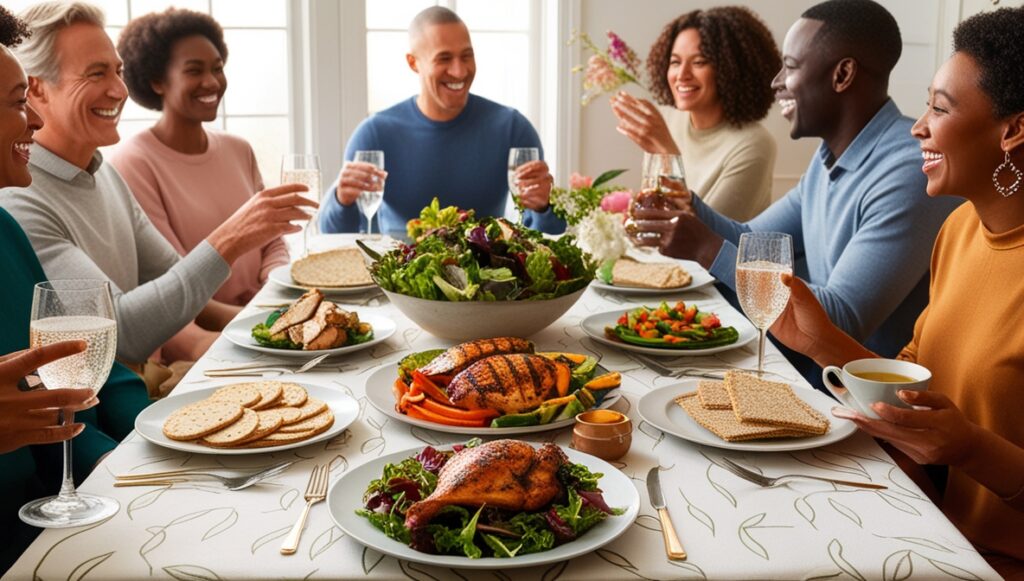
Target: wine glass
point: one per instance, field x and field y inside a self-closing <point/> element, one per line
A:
<point x="661" y="178"/>
<point x="65" y="310"/>
<point x="661" y="165"/>
<point x="370" y="201"/>
<point x="762" y="259"/>
<point x="300" y="168"/>
<point x="518" y="156"/>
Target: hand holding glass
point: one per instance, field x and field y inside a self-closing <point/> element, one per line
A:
<point x="64" y="310"/>
<point x="518" y="156"/>
<point x="297" y="168"/>
<point x="370" y="201"/>
<point x="762" y="259"/>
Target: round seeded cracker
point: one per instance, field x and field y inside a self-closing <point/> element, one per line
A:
<point x="294" y="394"/>
<point x="234" y="433"/>
<point x="198" y="419"/>
<point x="270" y="392"/>
<point x="311" y="423"/>
<point x="245" y="394"/>
<point x="312" y="407"/>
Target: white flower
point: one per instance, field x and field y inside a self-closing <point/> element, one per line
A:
<point x="602" y="235"/>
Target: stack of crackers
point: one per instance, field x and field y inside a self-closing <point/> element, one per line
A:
<point x="333" y="269"/>
<point x="251" y="415"/>
<point x="744" y="407"/>
<point x="630" y="273"/>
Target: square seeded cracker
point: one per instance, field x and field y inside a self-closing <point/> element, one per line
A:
<point x="770" y="402"/>
<point x="713" y="396"/>
<point x="723" y="423"/>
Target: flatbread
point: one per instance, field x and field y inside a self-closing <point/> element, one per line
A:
<point x="344" y="267"/>
<point x="713" y="395"/>
<point x="759" y="401"/>
<point x="630" y="273"/>
<point x="725" y="425"/>
<point x="198" y="419"/>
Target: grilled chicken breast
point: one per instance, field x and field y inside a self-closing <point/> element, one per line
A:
<point x="506" y="474"/>
<point x="463" y="355"/>
<point x="299" y="312"/>
<point x="511" y="383"/>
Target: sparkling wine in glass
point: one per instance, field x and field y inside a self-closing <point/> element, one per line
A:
<point x="658" y="167"/>
<point x="300" y="168"/>
<point x="518" y="156"/>
<point x="762" y="259"/>
<point x="370" y="201"/>
<point x="66" y="310"/>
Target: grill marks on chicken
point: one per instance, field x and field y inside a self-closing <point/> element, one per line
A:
<point x="510" y="384"/>
<point x="462" y="355"/>
<point x="505" y="474"/>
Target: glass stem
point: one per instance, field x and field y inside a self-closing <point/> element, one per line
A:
<point x="760" y="351"/>
<point x="67" y="486"/>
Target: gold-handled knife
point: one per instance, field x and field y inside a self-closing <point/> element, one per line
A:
<point x="672" y="545"/>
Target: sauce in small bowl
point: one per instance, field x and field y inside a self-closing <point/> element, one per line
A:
<point x="606" y="434"/>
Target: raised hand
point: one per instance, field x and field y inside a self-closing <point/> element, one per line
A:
<point x="357" y="177"/>
<point x="265" y="216"/>
<point x="534" y="179"/>
<point x="641" y="122"/>
<point x="32" y="417"/>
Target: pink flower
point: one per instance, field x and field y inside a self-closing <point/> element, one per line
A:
<point x="617" y="201"/>
<point x="600" y="74"/>
<point x="620" y="51"/>
<point x="578" y="181"/>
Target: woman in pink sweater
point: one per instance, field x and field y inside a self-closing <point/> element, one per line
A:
<point x="187" y="179"/>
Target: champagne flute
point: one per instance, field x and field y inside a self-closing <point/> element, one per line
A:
<point x="518" y="156"/>
<point x="300" y="168"/>
<point x="762" y="259"/>
<point x="370" y="201"/>
<point x="64" y="310"/>
<point x="661" y="177"/>
<point x="661" y="165"/>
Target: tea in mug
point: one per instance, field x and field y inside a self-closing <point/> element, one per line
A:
<point x="883" y="376"/>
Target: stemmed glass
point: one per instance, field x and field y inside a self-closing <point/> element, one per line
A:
<point x="370" y="201"/>
<point x="300" y="168"/>
<point x="762" y="259"/>
<point x="66" y="310"/>
<point x="659" y="165"/>
<point x="518" y="156"/>
<point x="661" y="178"/>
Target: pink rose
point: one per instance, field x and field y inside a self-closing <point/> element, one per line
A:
<point x="617" y="201"/>
<point x="577" y="181"/>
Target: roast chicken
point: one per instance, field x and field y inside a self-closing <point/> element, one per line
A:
<point x="510" y="384"/>
<point x="316" y="323"/>
<point x="463" y="355"/>
<point x="506" y="474"/>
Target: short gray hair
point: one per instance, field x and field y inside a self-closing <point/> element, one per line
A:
<point x="432" y="16"/>
<point x="45" y="21"/>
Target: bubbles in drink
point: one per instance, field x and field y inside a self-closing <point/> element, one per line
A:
<point x="87" y="369"/>
<point x="369" y="202"/>
<point x="761" y="292"/>
<point x="307" y="177"/>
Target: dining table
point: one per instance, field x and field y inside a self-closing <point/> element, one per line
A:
<point x="730" y="528"/>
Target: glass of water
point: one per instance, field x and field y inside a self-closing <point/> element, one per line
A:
<point x="762" y="259"/>
<point x="370" y="201"/>
<point x="304" y="168"/>
<point x="518" y="156"/>
<point x="68" y="310"/>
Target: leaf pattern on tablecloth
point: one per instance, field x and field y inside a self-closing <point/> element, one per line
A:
<point x="651" y="432"/>
<point x="896" y="487"/>
<point x="83" y="568"/>
<point x="191" y="573"/>
<point x="898" y="503"/>
<point x="950" y="569"/>
<point x="748" y="540"/>
<point x="696" y="512"/>
<point x="835" y="552"/>
<point x="898" y="566"/>
<point x="285" y="500"/>
<point x="646" y="521"/>
<point x="928" y="544"/>
<point x="689" y="567"/>
<point x="555" y="571"/>
<point x="324" y="541"/>
<point x="53" y="547"/>
<point x="371" y="559"/>
<point x="146" y="499"/>
<point x="803" y="508"/>
<point x="413" y="571"/>
<point x="226" y="523"/>
<point x="428" y="437"/>
<point x="718" y="487"/>
<point x="376" y="443"/>
<point x="618" y="560"/>
<point x="847" y="512"/>
<point x="831" y="461"/>
<point x="269" y="538"/>
<point x="158" y="534"/>
<point x="338" y="442"/>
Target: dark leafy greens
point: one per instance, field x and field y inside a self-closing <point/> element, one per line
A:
<point x="485" y="532"/>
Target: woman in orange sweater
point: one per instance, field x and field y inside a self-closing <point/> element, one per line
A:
<point x="972" y="141"/>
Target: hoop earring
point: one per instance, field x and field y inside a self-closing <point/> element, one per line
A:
<point x="1007" y="191"/>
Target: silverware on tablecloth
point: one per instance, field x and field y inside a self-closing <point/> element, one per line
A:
<point x="259" y="369"/>
<point x="190" y="474"/>
<point x="316" y="491"/>
<point x="673" y="547"/>
<point x="767" y="482"/>
<point x="669" y="372"/>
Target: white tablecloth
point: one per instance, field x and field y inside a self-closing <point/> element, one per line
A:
<point x="730" y="528"/>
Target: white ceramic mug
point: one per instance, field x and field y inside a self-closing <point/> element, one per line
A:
<point x="860" y="393"/>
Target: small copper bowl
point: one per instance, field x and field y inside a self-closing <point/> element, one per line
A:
<point x="606" y="434"/>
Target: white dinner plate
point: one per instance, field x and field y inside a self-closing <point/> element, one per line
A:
<point x="150" y="423"/>
<point x="700" y="278"/>
<point x="282" y="276"/>
<point x="239" y="332"/>
<point x="658" y="408"/>
<point x="595" y="324"/>
<point x="346" y="496"/>
<point x="380" y="395"/>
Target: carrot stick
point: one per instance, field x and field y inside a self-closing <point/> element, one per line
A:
<point x="459" y="413"/>
<point x="421" y="413"/>
<point x="430" y="388"/>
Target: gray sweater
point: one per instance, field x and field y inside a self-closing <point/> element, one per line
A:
<point x="87" y="224"/>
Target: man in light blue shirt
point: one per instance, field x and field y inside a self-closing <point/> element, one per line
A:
<point x="443" y="143"/>
<point x="861" y="221"/>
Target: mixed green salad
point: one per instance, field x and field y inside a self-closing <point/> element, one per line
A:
<point x="486" y="531"/>
<point x="672" y="327"/>
<point x="457" y="257"/>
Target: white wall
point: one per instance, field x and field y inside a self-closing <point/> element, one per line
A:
<point x="924" y="25"/>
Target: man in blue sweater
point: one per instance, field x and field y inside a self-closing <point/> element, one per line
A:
<point x="861" y="221"/>
<point x="443" y="143"/>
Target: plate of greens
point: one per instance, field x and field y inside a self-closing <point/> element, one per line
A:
<point x="241" y="332"/>
<point x="471" y="538"/>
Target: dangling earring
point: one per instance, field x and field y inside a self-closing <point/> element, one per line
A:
<point x="1007" y="191"/>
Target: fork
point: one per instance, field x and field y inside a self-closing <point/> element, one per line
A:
<point x="259" y="370"/>
<point x="669" y="372"/>
<point x="316" y="491"/>
<point x="767" y="482"/>
<point x="185" y="475"/>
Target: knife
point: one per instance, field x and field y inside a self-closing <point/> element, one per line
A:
<point x="672" y="545"/>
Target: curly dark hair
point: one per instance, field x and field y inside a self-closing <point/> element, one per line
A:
<point x="12" y="29"/>
<point x="145" y="45"/>
<point x="740" y="47"/>
<point x="995" y="40"/>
